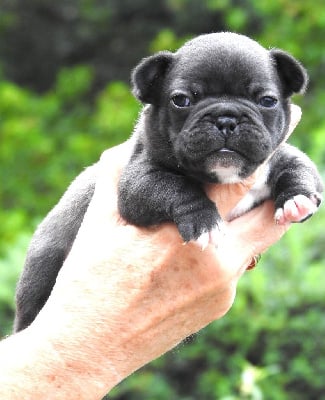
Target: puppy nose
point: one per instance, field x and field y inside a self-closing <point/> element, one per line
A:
<point x="226" y="124"/>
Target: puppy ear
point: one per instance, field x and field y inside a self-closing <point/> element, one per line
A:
<point x="292" y="74"/>
<point x="147" y="78"/>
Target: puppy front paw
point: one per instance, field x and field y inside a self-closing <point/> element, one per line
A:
<point x="297" y="209"/>
<point x="200" y="224"/>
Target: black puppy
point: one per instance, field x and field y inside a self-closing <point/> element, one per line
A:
<point x="217" y="109"/>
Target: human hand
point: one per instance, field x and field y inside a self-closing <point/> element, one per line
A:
<point x="127" y="295"/>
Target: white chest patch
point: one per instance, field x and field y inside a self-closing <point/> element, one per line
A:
<point x="226" y="174"/>
<point x="259" y="192"/>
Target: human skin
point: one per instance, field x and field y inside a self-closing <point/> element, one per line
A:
<point x="127" y="295"/>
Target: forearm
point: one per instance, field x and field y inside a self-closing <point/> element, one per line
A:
<point x="32" y="368"/>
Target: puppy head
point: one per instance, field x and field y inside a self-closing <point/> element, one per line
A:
<point x="219" y="106"/>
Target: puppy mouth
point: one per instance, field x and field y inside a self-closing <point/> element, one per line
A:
<point x="224" y="151"/>
<point x="226" y="156"/>
<point x="225" y="165"/>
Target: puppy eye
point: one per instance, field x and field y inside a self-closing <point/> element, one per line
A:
<point x="268" y="101"/>
<point x="181" y="101"/>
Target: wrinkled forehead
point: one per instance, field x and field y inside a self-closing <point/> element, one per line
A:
<point x="225" y="61"/>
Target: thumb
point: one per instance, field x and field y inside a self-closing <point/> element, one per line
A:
<point x="253" y="233"/>
<point x="257" y="230"/>
<point x="295" y="116"/>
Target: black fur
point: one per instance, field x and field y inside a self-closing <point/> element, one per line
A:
<point x="215" y="110"/>
<point x="49" y="247"/>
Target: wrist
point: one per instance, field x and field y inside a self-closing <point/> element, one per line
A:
<point x="42" y="366"/>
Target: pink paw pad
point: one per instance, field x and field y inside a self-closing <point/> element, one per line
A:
<point x="296" y="209"/>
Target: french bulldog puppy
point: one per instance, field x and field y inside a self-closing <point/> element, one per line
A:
<point x="218" y="109"/>
<point x="215" y="111"/>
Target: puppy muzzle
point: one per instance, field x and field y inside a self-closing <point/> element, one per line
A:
<point x="220" y="136"/>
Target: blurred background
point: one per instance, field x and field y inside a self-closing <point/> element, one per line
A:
<point x="64" y="98"/>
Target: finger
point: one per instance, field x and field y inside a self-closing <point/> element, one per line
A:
<point x="111" y="163"/>
<point x="253" y="233"/>
<point x="258" y="229"/>
<point x="295" y="116"/>
<point x="104" y="201"/>
<point x="226" y="196"/>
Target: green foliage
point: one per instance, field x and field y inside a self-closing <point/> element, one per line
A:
<point x="48" y="139"/>
<point x="10" y="266"/>
<point x="270" y="345"/>
<point x="166" y="40"/>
